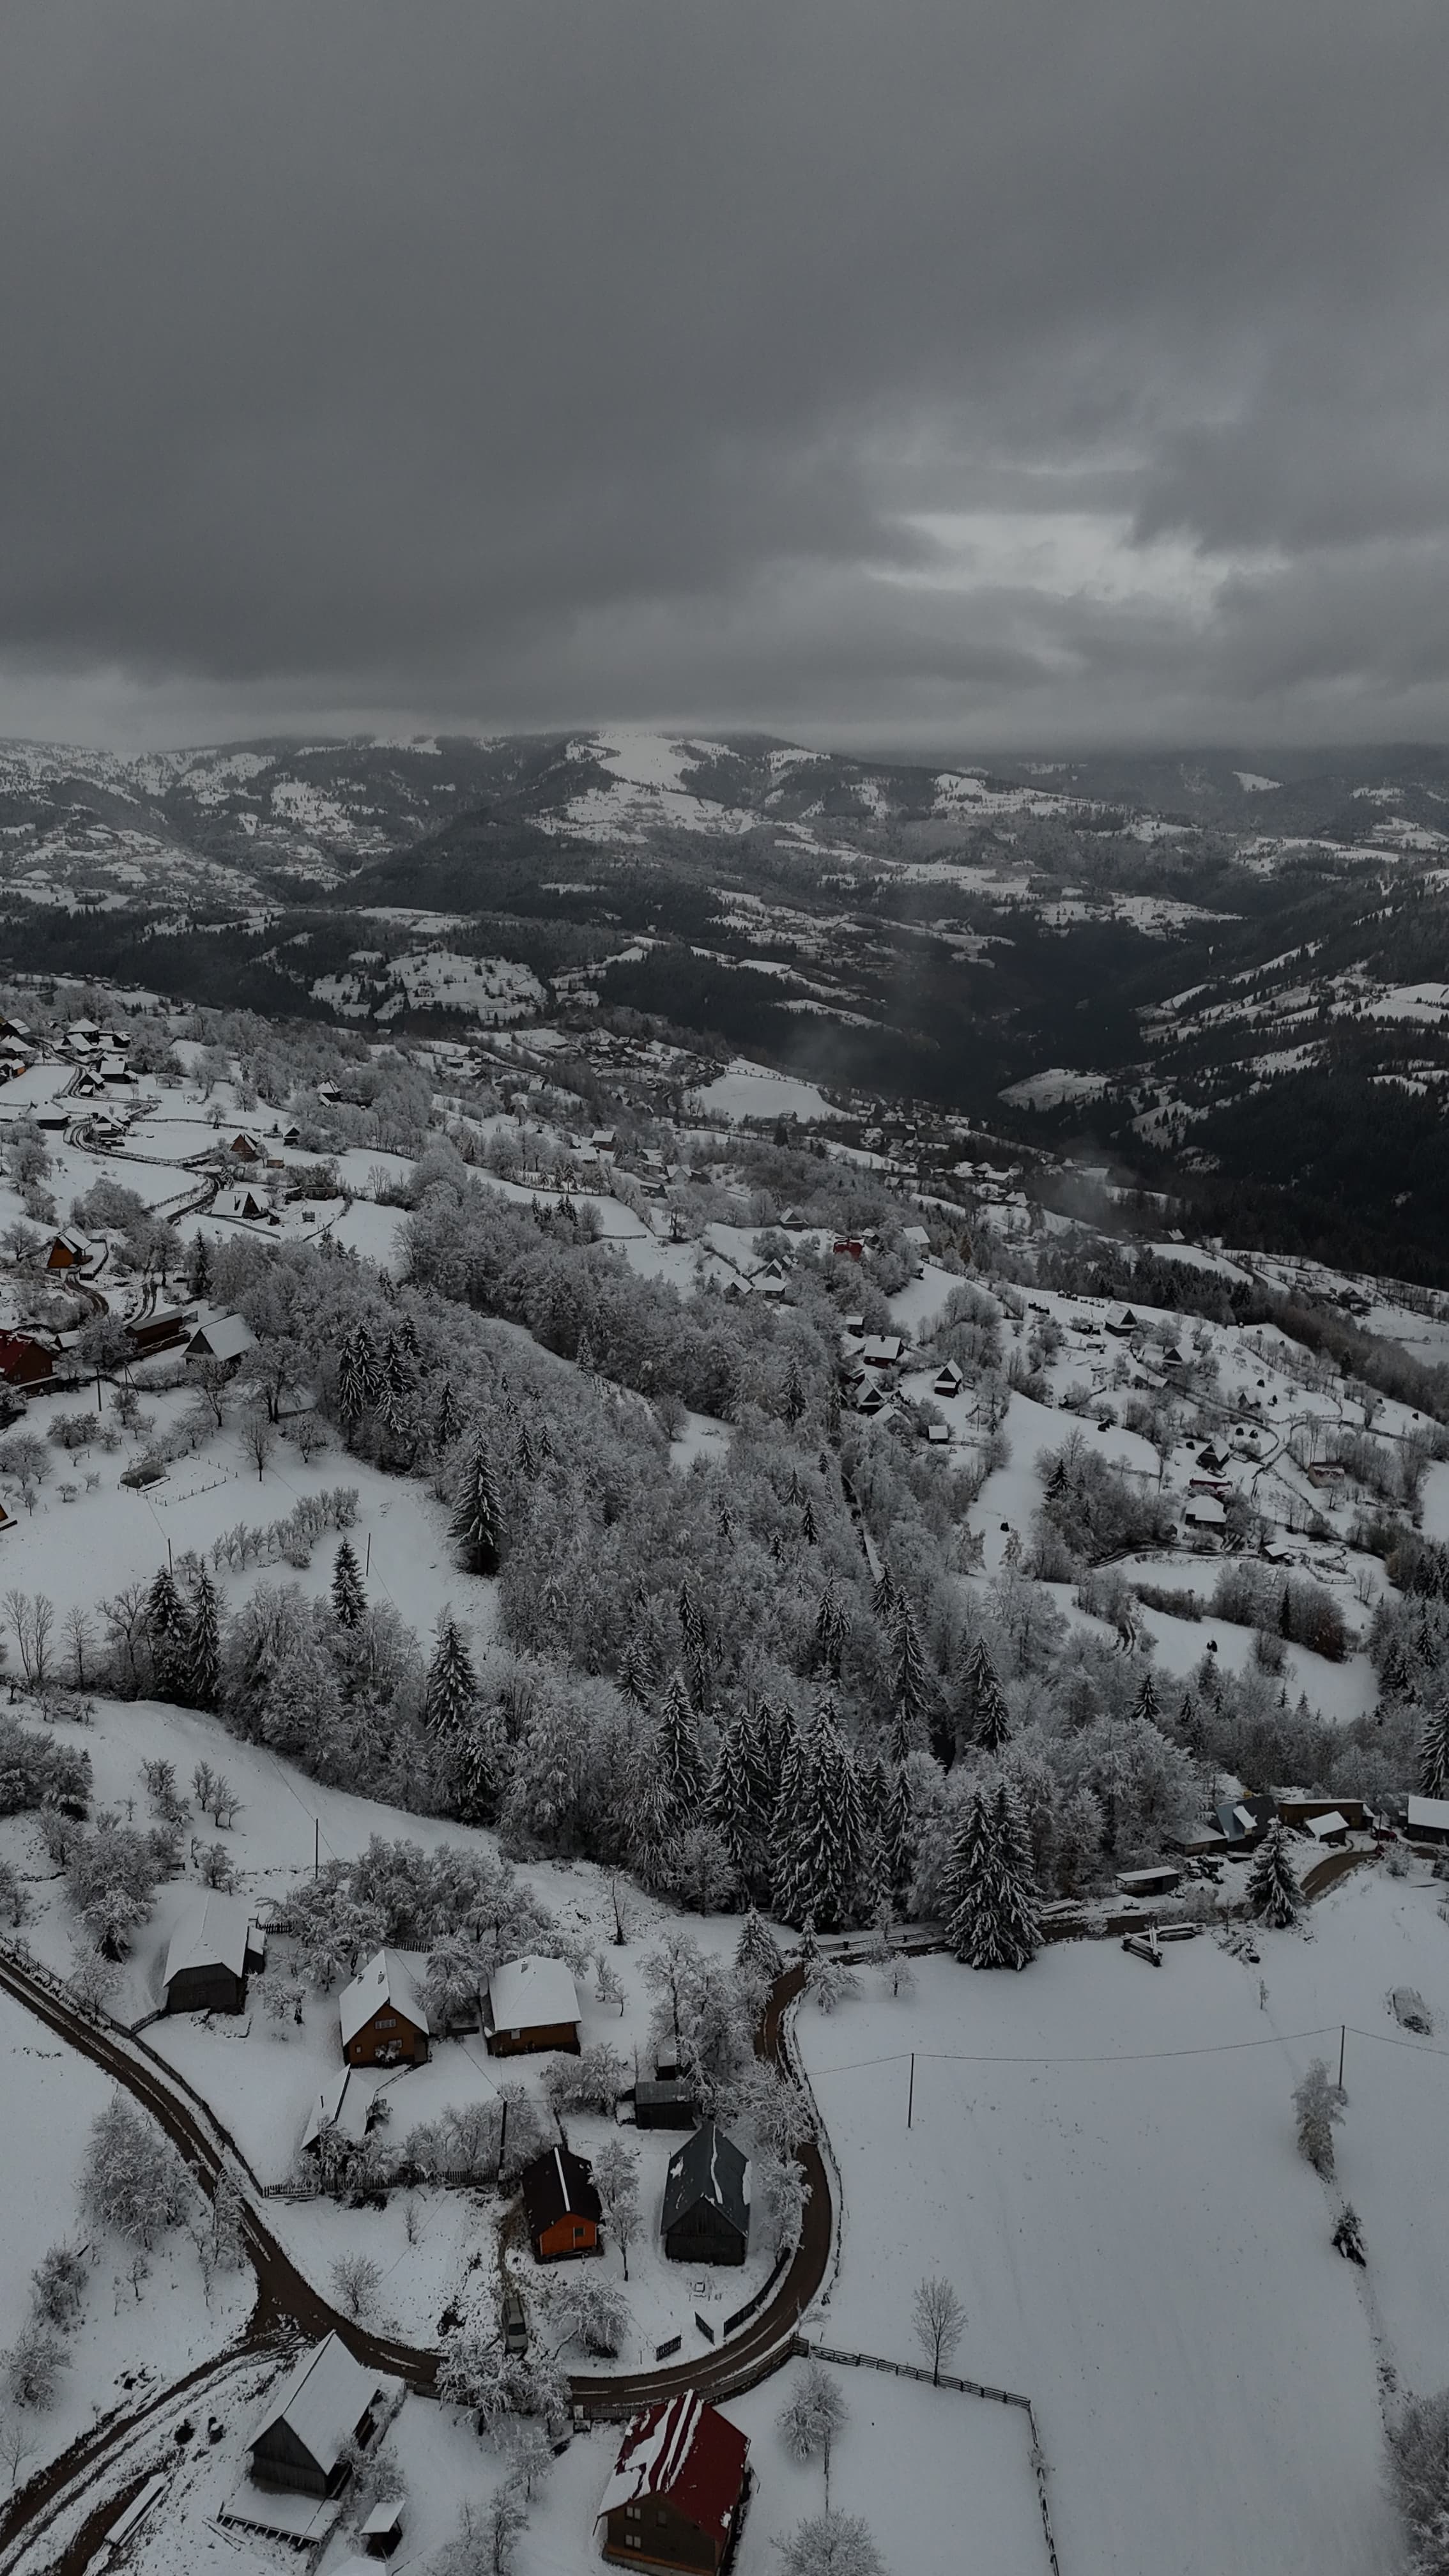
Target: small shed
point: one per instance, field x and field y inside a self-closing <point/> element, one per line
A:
<point x="706" y="2216"/>
<point x="531" y="2005"/>
<point x="949" y="1381"/>
<point x="162" y="1330"/>
<point x="1428" y="1820"/>
<point x="1330" y="1829"/>
<point x="1161" y="1881"/>
<point x="561" y="2206"/>
<point x="213" y="1949"/>
<point x="665" y="2102"/>
<point x="383" y="2017"/>
<point x="327" y="2403"/>
<point x="340" y="2112"/>
<point x="676" y="2496"/>
<point x="383" y="2528"/>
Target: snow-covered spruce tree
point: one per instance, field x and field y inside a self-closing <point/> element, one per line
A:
<point x="830" y="1629"/>
<point x="674" y="1779"/>
<point x="964" y="1877"/>
<point x="1146" y="1705"/>
<point x="451" y="1692"/>
<point x="202" y="1663"/>
<point x="1011" y="1923"/>
<point x="352" y="1377"/>
<point x="991" y="1719"/>
<point x="832" y="1840"/>
<point x="1274" y="1896"/>
<point x="447" y="1421"/>
<point x="898" y="1838"/>
<point x="349" y="1601"/>
<point x="639" y="1670"/>
<point x="1434" y="1751"/>
<point x="789" y="1833"/>
<point x="757" y="1952"/>
<point x="166" y="1635"/>
<point x="735" y="1805"/>
<point x="911" y="1687"/>
<point x="477" y="1522"/>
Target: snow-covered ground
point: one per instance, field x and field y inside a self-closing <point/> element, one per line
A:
<point x="752" y="1091"/>
<point x="1102" y="2160"/>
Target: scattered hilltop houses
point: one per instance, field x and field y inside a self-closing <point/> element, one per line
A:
<point x="706" y="2216"/>
<point x="383" y="2018"/>
<point x="561" y="2207"/>
<point x="227" y="1337"/>
<point x="328" y="2403"/>
<point x="677" y="2493"/>
<point x="532" y="2004"/>
<point x="215" y="1947"/>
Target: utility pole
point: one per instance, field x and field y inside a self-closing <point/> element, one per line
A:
<point x="316" y="1846"/>
<point x="1342" y="2038"/>
<point x="367" y="1568"/>
<point x="911" y="2095"/>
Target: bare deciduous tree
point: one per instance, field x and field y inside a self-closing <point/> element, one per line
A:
<point x="939" y="2320"/>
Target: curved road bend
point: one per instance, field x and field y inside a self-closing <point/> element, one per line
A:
<point x="287" y="2301"/>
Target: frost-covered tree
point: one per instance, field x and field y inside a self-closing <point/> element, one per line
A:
<point x="451" y="1694"/>
<point x="166" y="1635"/>
<point x="58" y="2286"/>
<point x="616" y="2180"/>
<point x="674" y="1781"/>
<point x="814" y="2417"/>
<point x="201" y="1655"/>
<point x="1274" y="1896"/>
<point x="349" y="1601"/>
<point x="1434" y="1751"/>
<point x="1419" y="2476"/>
<point x="132" y="2179"/>
<point x="990" y="1716"/>
<point x="831" y="2544"/>
<point x="33" y="2365"/>
<point x="758" y="1960"/>
<point x="477" y="1520"/>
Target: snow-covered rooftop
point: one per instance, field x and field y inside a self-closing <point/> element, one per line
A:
<point x="211" y="1933"/>
<point x="386" y="1981"/>
<point x="532" y="1994"/>
<point x="323" y="2402"/>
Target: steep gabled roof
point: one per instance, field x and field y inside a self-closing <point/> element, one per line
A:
<point x="686" y="2452"/>
<point x="323" y="2402"/>
<point x="385" y="1982"/>
<point x="709" y="2167"/>
<point x="210" y="1934"/>
<point x="558" y="2184"/>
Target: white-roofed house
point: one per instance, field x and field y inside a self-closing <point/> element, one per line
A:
<point x="1428" y="1820"/>
<point x="226" y="1337"/>
<point x="383" y="2017"/>
<point x="328" y="2403"/>
<point x="532" y="2004"/>
<point x="213" y="1949"/>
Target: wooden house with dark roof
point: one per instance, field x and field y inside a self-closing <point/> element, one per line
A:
<point x="561" y="2206"/>
<point x="677" y="2493"/>
<point x="706" y="2217"/>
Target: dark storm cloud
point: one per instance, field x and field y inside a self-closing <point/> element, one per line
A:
<point x="523" y="364"/>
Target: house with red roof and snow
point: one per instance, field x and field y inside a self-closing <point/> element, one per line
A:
<point x="677" y="2495"/>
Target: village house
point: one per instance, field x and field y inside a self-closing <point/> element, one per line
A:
<point x="532" y="2004"/>
<point x="227" y="1337"/>
<point x="881" y="1350"/>
<point x="1427" y="1820"/>
<point x="328" y="2403"/>
<point x="245" y="1149"/>
<point x="240" y="1204"/>
<point x="68" y="1252"/>
<point x="676" y="2497"/>
<point x="214" y="1948"/>
<point x="949" y="1382"/>
<point x="706" y="2216"/>
<point x="164" y="1329"/>
<point x="24" y="1361"/>
<point x="561" y="2208"/>
<point x="383" y="2018"/>
<point x="340" y="2113"/>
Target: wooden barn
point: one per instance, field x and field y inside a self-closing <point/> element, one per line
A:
<point x="328" y="2403"/>
<point x="561" y="2206"/>
<point x="677" y="2493"/>
<point x="707" y="2200"/>
<point x="24" y="1361"/>
<point x="214" y="1948"/>
<point x="665" y="2102"/>
<point x="531" y="2005"/>
<point x="383" y="2017"/>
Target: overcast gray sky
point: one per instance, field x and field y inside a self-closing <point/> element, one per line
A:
<point x="935" y="373"/>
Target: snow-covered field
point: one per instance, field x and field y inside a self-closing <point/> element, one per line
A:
<point x="753" y="1091"/>
<point x="1102" y="2160"/>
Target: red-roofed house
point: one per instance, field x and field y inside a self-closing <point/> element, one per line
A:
<point x="676" y="2498"/>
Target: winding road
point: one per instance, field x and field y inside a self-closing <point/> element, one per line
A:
<point x="288" y="2305"/>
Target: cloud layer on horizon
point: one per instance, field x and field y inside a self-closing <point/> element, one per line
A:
<point x="972" y="371"/>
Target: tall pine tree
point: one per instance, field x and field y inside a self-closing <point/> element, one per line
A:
<point x="1434" y="1751"/>
<point x="349" y="1601"/>
<point x="203" y="1643"/>
<point x="476" y="1519"/>
<point x="166" y="1636"/>
<point x="1274" y="1896"/>
<point x="451" y="1694"/>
